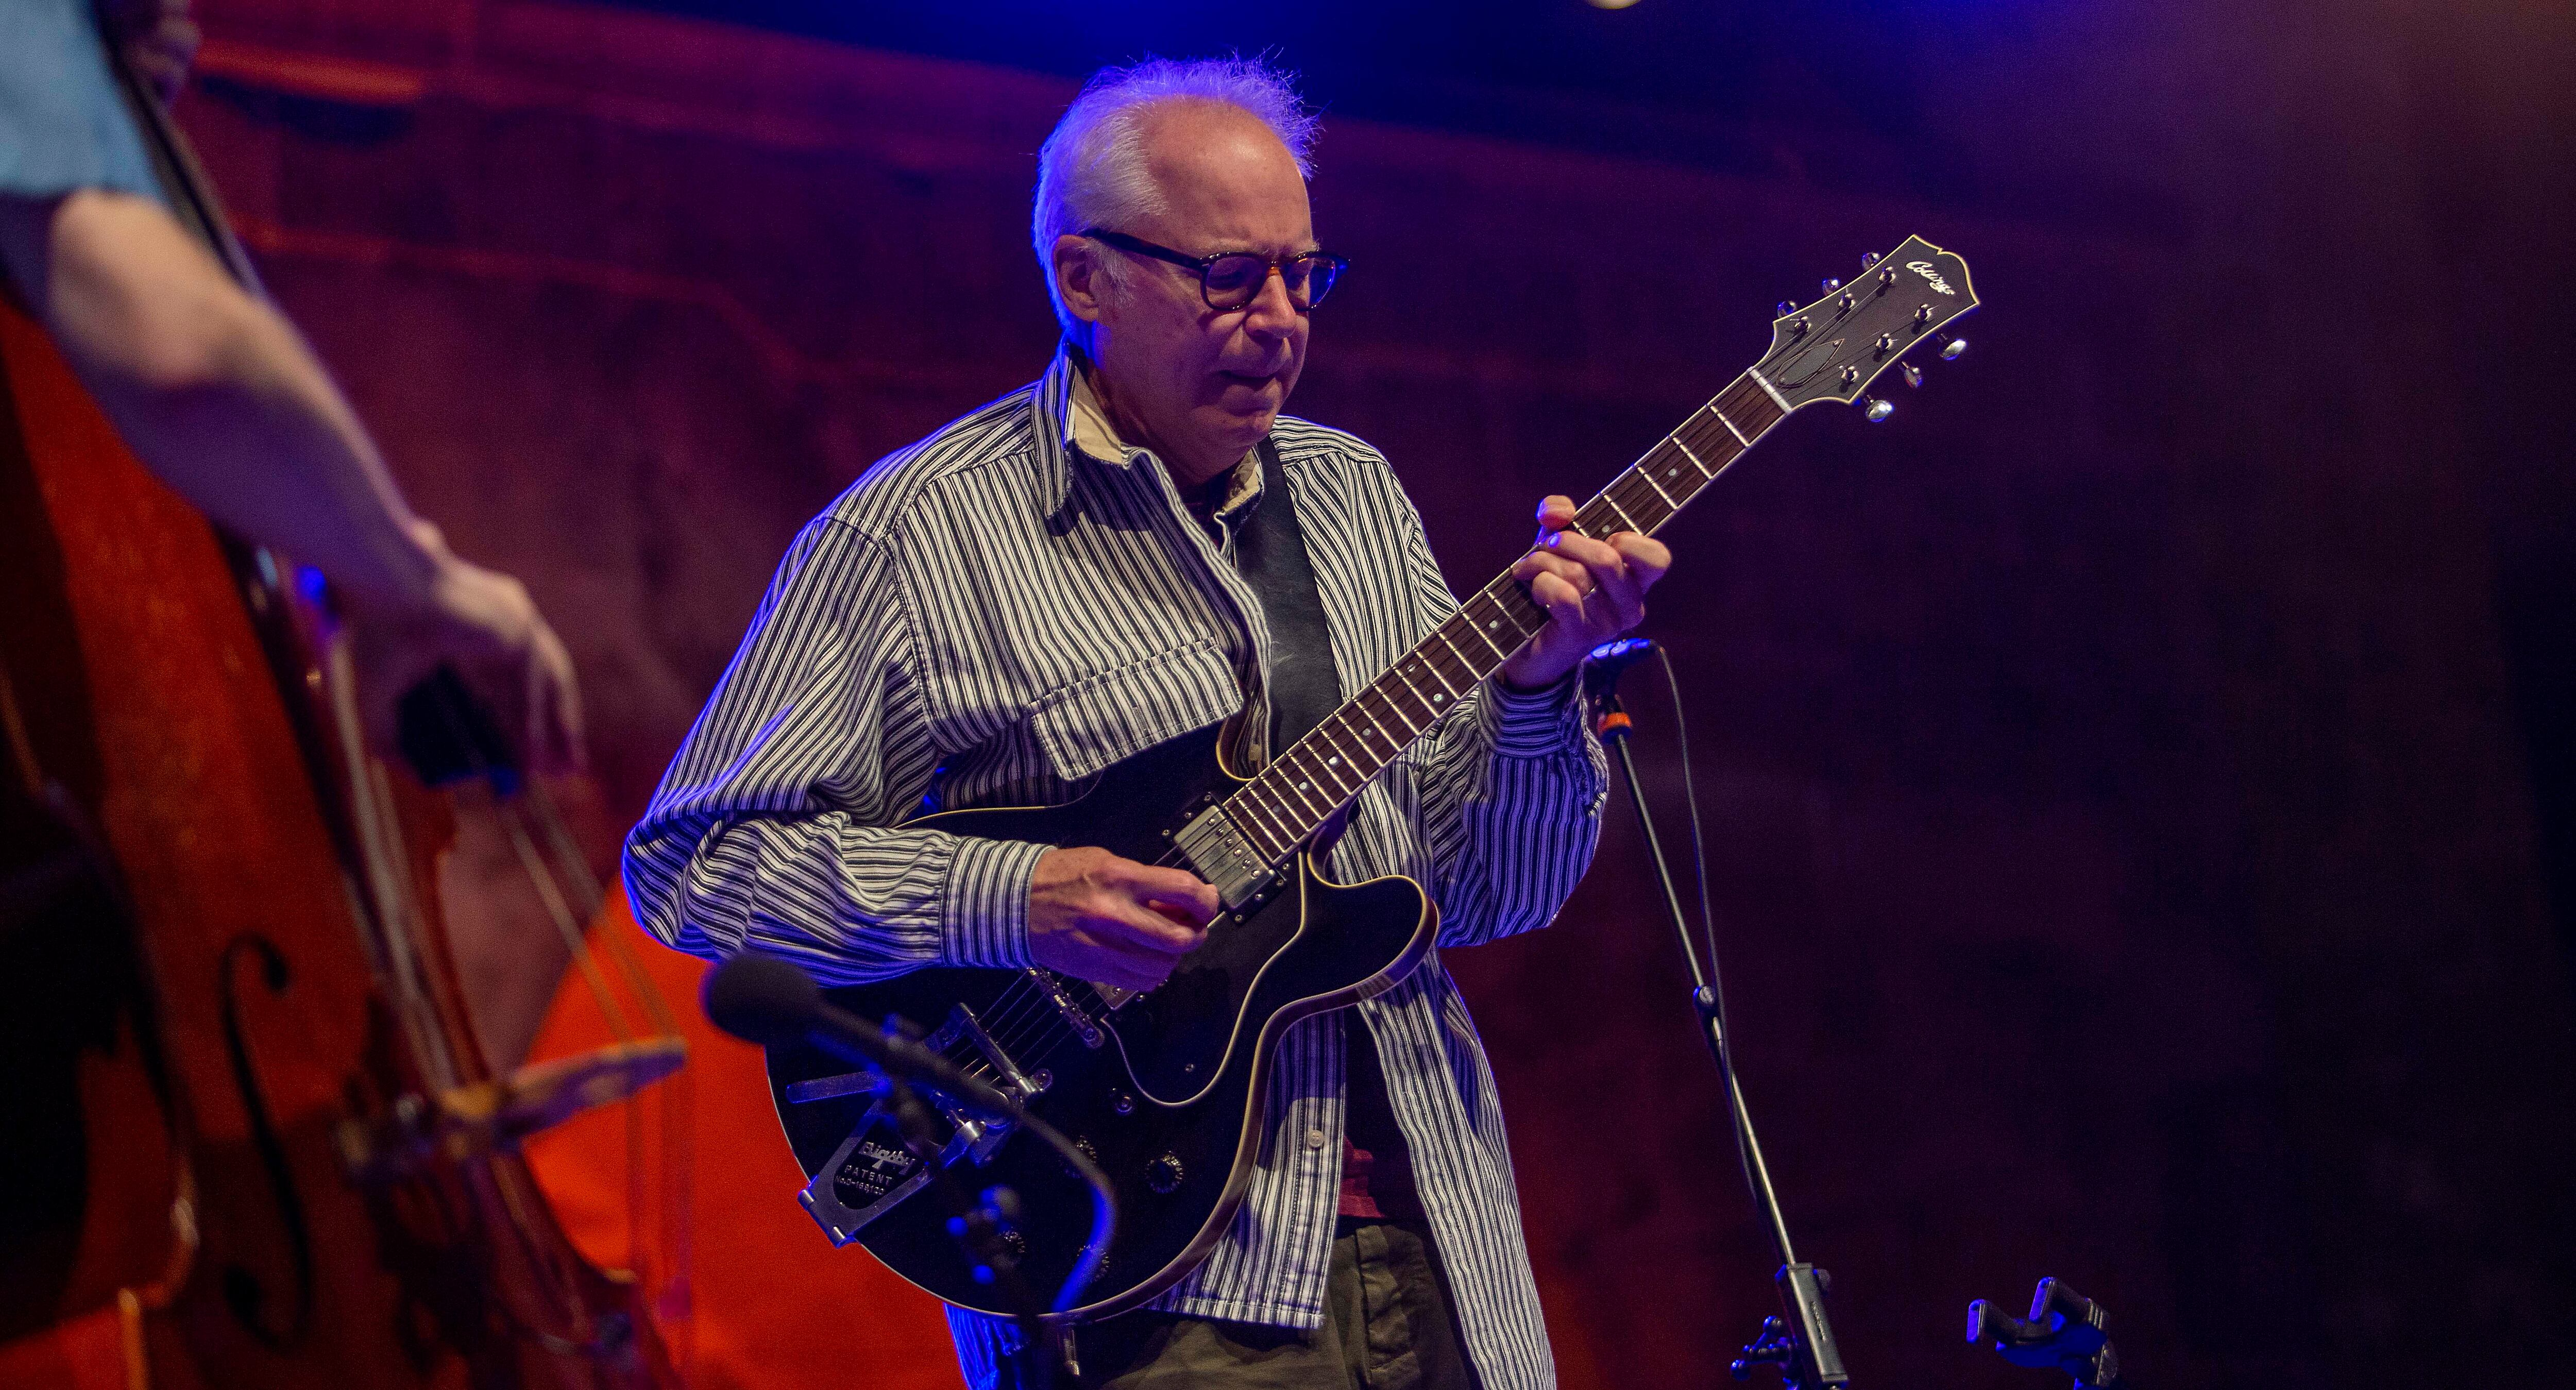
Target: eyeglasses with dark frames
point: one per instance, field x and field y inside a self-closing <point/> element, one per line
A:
<point x="1230" y="280"/>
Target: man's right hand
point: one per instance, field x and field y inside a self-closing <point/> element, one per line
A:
<point x="1113" y="921"/>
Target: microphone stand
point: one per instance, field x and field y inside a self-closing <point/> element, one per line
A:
<point x="1803" y="1349"/>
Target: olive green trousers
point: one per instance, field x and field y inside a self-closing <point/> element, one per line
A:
<point x="1388" y="1325"/>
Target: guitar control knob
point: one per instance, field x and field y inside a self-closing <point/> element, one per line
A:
<point x="1165" y="1174"/>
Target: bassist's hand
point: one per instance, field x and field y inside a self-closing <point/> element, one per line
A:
<point x="1113" y="921"/>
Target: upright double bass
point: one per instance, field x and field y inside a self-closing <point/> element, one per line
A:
<point x="252" y="1139"/>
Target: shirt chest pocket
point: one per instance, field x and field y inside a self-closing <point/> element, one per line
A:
<point x="1091" y="723"/>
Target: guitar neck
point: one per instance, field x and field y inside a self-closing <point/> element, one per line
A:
<point x="1283" y="806"/>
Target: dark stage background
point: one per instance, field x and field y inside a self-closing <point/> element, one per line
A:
<point x="2138" y="775"/>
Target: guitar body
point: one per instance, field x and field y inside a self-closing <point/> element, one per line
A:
<point x="1171" y="1100"/>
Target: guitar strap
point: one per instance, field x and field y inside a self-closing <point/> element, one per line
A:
<point x="1271" y="555"/>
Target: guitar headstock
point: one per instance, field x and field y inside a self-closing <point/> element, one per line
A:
<point x="1833" y="349"/>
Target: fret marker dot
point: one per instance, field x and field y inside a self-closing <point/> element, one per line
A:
<point x="1438" y="698"/>
<point x="1304" y="787"/>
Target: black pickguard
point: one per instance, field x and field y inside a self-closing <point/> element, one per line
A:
<point x="1181" y="1072"/>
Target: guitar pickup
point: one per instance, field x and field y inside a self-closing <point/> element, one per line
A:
<point x="1220" y="854"/>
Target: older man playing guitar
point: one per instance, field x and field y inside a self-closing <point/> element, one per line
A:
<point x="1136" y="546"/>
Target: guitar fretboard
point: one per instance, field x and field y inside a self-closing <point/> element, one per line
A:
<point x="1302" y="788"/>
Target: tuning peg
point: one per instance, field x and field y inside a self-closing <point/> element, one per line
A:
<point x="1951" y="352"/>
<point x="1832" y="284"/>
<point x="1877" y="409"/>
<point x="1868" y="259"/>
<point x="1785" y="309"/>
<point x="1913" y="374"/>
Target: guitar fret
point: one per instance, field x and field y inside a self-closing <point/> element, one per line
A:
<point x="1730" y="427"/>
<point x="1692" y="454"/>
<point x="1482" y="632"/>
<point x="1430" y="715"/>
<point x="1276" y="826"/>
<point x="1343" y="752"/>
<point x="1360" y="702"/>
<point x="1652" y="502"/>
<point x="1336" y="769"/>
<point x="1424" y="663"/>
<point x="1669" y="504"/>
<point x="1298" y="791"/>
<point x="1465" y="667"/>
<point x="1622" y="511"/>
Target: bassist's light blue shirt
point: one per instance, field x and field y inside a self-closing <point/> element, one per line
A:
<point x="992" y="616"/>
<point x="63" y="127"/>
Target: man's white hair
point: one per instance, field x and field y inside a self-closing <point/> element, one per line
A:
<point x="1091" y="171"/>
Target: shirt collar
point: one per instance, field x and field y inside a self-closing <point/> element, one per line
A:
<point x="1072" y="426"/>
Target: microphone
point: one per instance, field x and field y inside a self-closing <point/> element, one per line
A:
<point x="1601" y="670"/>
<point x="762" y="999"/>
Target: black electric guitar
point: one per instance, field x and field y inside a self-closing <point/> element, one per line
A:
<point x="1165" y="1089"/>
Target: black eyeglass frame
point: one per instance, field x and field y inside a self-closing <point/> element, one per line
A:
<point x="1203" y="264"/>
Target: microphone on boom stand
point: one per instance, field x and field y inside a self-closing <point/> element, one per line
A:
<point x="764" y="1000"/>
<point x="1803" y="1348"/>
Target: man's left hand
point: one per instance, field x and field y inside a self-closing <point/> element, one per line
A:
<point x="1593" y="591"/>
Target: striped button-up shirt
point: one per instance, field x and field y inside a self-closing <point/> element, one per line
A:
<point x="993" y="615"/>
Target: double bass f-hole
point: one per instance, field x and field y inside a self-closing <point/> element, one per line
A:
<point x="243" y="1292"/>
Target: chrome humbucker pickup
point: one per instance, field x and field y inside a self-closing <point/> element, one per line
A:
<point x="1220" y="854"/>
